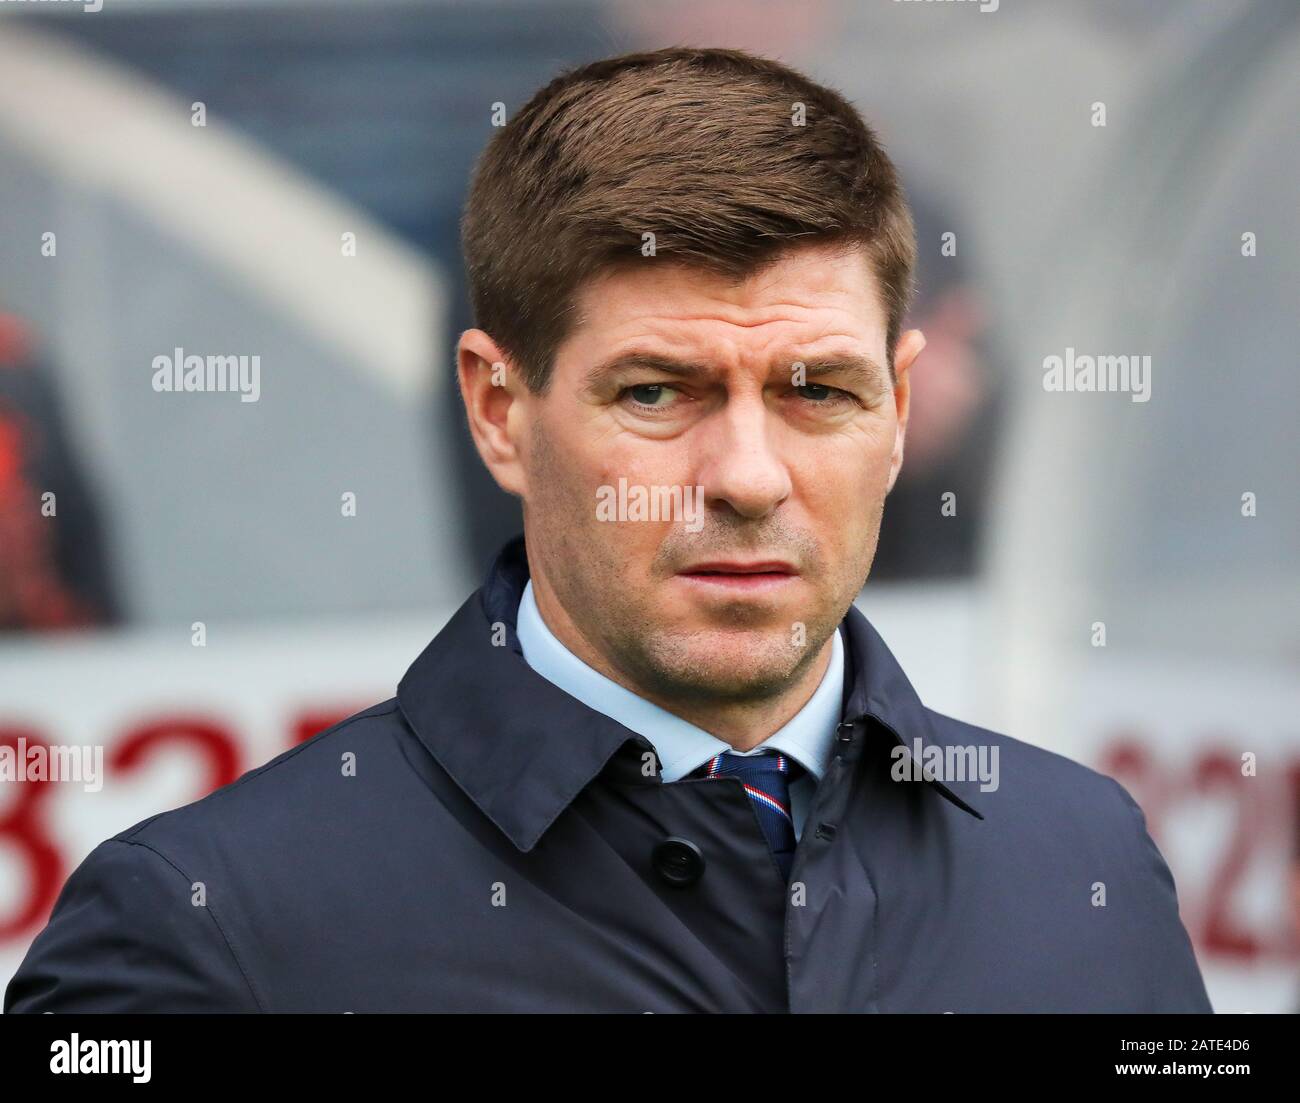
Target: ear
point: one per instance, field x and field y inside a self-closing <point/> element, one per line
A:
<point x="906" y="351"/>
<point x="494" y="396"/>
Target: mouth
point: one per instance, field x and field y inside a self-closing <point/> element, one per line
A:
<point x="738" y="576"/>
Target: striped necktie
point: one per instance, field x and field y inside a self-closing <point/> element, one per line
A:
<point x="766" y="777"/>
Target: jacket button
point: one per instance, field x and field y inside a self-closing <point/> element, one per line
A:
<point x="678" y="861"/>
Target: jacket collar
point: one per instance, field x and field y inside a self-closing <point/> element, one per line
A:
<point x="522" y="749"/>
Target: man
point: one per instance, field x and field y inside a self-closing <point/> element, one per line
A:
<point x="658" y="762"/>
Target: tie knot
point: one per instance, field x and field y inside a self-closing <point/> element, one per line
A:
<point x="769" y="765"/>
<point x="766" y="778"/>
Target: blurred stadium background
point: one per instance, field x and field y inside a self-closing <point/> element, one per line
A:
<point x="127" y="231"/>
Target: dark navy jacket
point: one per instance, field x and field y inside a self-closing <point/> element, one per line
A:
<point x="499" y="847"/>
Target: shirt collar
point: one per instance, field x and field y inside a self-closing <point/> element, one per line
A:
<point x="808" y="737"/>
<point x="522" y="749"/>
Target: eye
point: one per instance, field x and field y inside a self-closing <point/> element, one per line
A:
<point x="822" y="395"/>
<point x="657" y="396"/>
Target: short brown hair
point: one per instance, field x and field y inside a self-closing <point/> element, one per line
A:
<point x="700" y="147"/>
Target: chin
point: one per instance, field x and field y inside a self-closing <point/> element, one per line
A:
<point x="725" y="663"/>
<point x="741" y="684"/>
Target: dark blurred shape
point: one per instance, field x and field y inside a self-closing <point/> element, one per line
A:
<point x="954" y="421"/>
<point x="53" y="573"/>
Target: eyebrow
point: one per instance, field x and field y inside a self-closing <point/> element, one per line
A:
<point x="853" y="367"/>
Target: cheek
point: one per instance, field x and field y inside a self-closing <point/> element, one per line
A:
<point x="645" y="464"/>
<point x="846" y="481"/>
<point x="613" y="487"/>
<point x="873" y="463"/>
<point x="566" y="471"/>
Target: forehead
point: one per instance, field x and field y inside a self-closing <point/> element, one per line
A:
<point x="811" y="294"/>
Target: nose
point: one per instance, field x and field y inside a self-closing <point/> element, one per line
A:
<point x="741" y="467"/>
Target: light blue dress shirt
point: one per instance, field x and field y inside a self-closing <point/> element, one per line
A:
<point x="808" y="737"/>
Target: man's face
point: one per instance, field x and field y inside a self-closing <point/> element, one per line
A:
<point x="684" y="388"/>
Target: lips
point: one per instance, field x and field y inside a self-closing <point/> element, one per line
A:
<point x="738" y="577"/>
<point x="770" y="566"/>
